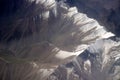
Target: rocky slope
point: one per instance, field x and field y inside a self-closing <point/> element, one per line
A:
<point x="100" y="61"/>
<point x="44" y="34"/>
<point x="106" y="12"/>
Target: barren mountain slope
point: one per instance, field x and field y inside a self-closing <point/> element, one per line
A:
<point x="43" y="34"/>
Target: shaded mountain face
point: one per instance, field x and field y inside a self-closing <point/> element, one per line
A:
<point x="10" y="7"/>
<point x="106" y="12"/>
<point x="40" y="35"/>
<point x="36" y="22"/>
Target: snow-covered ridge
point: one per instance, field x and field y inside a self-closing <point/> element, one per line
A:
<point x="59" y="34"/>
<point x="100" y="61"/>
